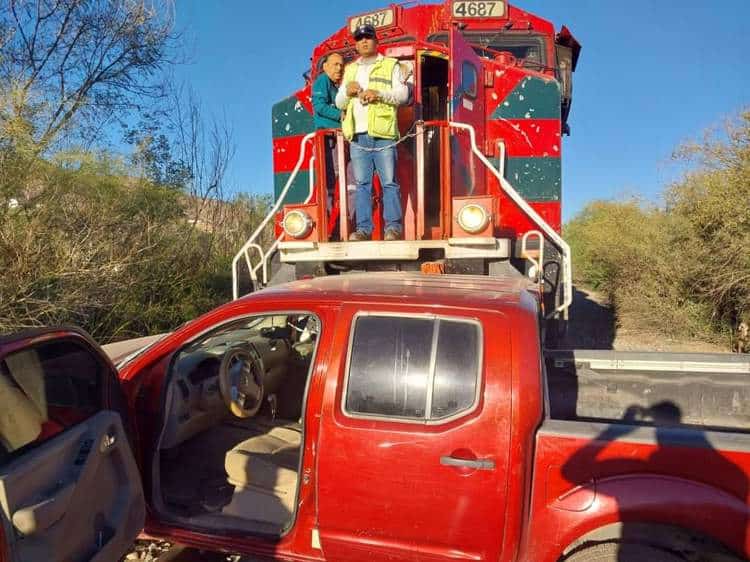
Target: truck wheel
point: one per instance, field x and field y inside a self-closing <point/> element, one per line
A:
<point x="622" y="552"/>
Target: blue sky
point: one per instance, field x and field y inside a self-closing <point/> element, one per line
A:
<point x="652" y="74"/>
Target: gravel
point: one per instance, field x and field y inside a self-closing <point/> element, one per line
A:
<point x="160" y="551"/>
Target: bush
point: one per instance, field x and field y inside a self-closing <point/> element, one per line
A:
<point x="713" y="204"/>
<point x="626" y="250"/>
<point x="90" y="246"/>
<point x="84" y="239"/>
<point x="683" y="270"/>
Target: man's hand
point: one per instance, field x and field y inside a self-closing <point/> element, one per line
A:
<point x="369" y="96"/>
<point x="353" y="89"/>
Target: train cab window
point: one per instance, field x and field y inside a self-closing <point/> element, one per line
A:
<point x="526" y="47"/>
<point x="469" y="79"/>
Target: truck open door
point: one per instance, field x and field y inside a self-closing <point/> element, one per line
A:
<point x="69" y="484"/>
<point x="467" y="105"/>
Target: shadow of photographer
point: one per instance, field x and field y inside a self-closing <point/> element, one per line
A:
<point x="679" y="450"/>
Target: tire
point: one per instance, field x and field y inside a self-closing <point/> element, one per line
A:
<point x="622" y="552"/>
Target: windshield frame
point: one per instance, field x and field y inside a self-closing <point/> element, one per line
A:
<point x="483" y="39"/>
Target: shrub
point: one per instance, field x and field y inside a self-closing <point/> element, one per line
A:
<point x="685" y="269"/>
<point x="90" y="246"/>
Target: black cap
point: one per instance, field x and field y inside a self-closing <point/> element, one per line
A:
<point x="366" y="30"/>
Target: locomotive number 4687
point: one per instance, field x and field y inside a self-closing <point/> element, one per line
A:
<point x="381" y="18"/>
<point x="478" y="8"/>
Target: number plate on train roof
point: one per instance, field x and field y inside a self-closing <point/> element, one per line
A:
<point x="478" y="9"/>
<point x="377" y="19"/>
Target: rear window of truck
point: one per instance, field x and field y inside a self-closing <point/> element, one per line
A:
<point x="413" y="368"/>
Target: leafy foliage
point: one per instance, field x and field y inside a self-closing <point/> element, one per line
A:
<point x="121" y="245"/>
<point x="114" y="254"/>
<point x="75" y="64"/>
<point x="683" y="269"/>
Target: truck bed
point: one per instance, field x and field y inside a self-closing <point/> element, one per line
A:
<point x="657" y="442"/>
<point x="710" y="391"/>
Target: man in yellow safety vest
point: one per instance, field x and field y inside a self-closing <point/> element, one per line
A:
<point x="370" y="93"/>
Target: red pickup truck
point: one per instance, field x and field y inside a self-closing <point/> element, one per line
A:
<point x="358" y="417"/>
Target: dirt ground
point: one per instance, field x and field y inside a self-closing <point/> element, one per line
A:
<point x="159" y="551"/>
<point x="592" y="326"/>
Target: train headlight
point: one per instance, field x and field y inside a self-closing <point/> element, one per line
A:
<point x="473" y="218"/>
<point x="297" y="224"/>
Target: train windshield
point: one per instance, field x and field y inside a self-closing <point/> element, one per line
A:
<point x="526" y="47"/>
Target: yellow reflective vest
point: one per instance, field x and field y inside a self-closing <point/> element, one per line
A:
<point x="382" y="119"/>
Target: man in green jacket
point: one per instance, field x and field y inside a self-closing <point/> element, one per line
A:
<point x="326" y="115"/>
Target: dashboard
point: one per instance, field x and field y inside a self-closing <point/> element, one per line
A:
<point x="194" y="402"/>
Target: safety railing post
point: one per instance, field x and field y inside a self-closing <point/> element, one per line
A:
<point x="343" y="194"/>
<point x="259" y="229"/>
<point x="420" y="163"/>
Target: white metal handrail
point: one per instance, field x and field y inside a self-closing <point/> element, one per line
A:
<point x="504" y="184"/>
<point x="530" y="212"/>
<point x="250" y="244"/>
<point x="537" y="262"/>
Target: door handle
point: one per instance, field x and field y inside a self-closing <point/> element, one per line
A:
<point x="38" y="517"/>
<point x="108" y="442"/>
<point x="477" y="464"/>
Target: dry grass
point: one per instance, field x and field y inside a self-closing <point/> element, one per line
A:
<point x="119" y="256"/>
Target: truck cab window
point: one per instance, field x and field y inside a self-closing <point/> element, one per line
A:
<point x="44" y="390"/>
<point x="413" y="368"/>
<point x="390" y="363"/>
<point x="456" y="368"/>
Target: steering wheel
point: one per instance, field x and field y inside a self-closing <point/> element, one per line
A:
<point x="241" y="381"/>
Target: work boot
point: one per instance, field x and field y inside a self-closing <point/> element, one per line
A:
<point x="391" y="234"/>
<point x="358" y="236"/>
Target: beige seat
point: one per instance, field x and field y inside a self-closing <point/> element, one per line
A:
<point x="23" y="400"/>
<point x="263" y="471"/>
<point x="20" y="420"/>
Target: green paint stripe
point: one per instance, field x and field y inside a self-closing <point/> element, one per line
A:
<point x="533" y="98"/>
<point x="535" y="179"/>
<point x="289" y="117"/>
<point x="299" y="190"/>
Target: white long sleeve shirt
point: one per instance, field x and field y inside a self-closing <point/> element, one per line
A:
<point x="397" y="95"/>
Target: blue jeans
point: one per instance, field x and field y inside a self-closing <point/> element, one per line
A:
<point x="364" y="163"/>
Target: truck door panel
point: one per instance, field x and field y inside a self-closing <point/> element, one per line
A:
<point x="76" y="496"/>
<point x="393" y="490"/>
<point x="69" y="484"/>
